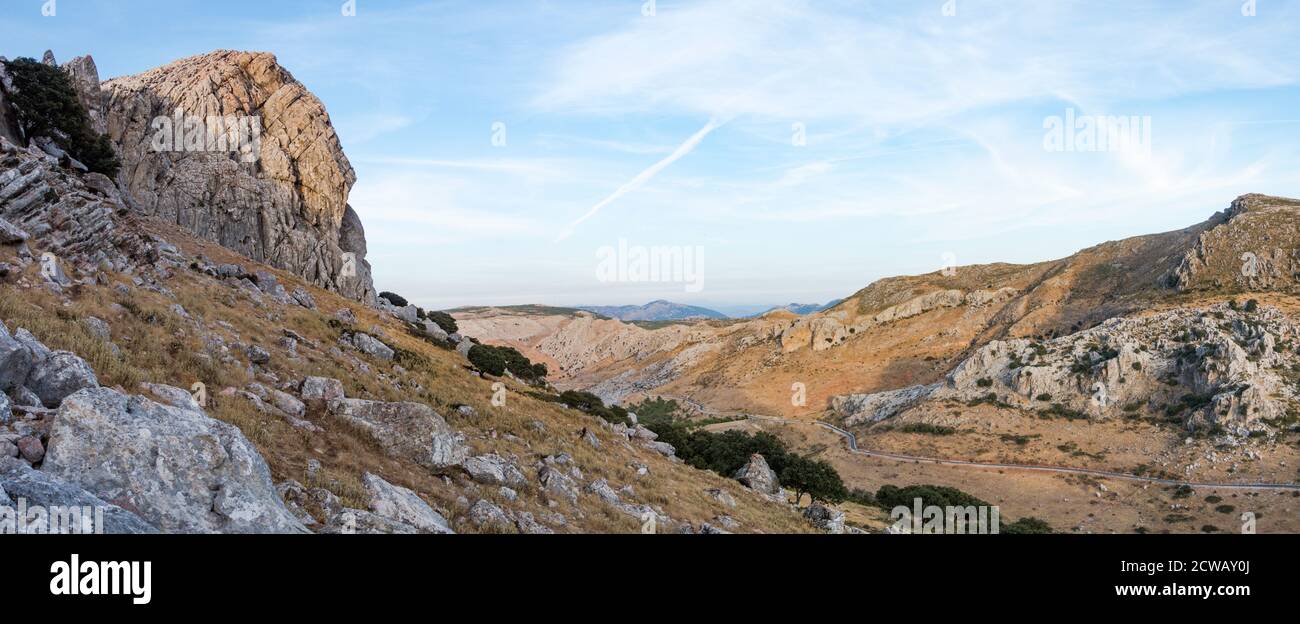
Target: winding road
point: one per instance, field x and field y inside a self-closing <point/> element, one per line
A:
<point x="851" y="440"/>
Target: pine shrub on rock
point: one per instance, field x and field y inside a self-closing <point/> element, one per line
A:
<point x="46" y="104"/>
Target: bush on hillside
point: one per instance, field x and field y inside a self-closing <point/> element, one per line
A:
<point x="890" y="496"/>
<point x="46" y="104"/>
<point x="655" y="411"/>
<point x="397" y="300"/>
<point x="592" y="404"/>
<point x="496" y="361"/>
<point x="443" y="320"/>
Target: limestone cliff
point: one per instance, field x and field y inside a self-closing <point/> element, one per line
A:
<point x="275" y="189"/>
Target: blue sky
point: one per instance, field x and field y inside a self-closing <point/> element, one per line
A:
<point x="924" y="128"/>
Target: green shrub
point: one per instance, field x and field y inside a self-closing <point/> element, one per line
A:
<point x="656" y="411"/>
<point x="46" y="104"/>
<point x="496" y="361"/>
<point x="889" y="496"/>
<point x="1252" y="305"/>
<point x="927" y="428"/>
<point x="395" y="299"/>
<point x="1027" y="526"/>
<point x="443" y="320"/>
<point x="592" y="404"/>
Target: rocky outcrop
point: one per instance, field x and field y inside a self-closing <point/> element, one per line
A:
<point x="410" y="430"/>
<point x="399" y="504"/>
<point x="8" y="119"/>
<point x="1252" y="246"/>
<point x="36" y="488"/>
<point x="825" y="518"/>
<point x="757" y="476"/>
<point x="190" y="473"/>
<point x="1216" y="369"/>
<point x="273" y="188"/>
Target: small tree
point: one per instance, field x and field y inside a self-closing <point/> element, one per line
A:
<point x="816" y="478"/>
<point x="46" y="105"/>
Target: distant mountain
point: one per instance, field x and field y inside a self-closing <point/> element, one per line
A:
<point x="655" y="311"/>
<point x="803" y="309"/>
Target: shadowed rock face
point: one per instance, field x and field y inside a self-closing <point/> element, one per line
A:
<point x="282" y="200"/>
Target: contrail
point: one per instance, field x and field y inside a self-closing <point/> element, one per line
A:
<point x="645" y="176"/>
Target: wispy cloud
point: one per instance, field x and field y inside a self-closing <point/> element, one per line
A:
<point x="645" y="176"/>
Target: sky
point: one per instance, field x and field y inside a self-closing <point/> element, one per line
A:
<point x="768" y="151"/>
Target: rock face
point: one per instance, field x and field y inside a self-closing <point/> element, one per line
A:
<point x="8" y="122"/>
<point x="1218" y="369"/>
<point x="277" y="194"/>
<point x="410" y="430"/>
<point x="402" y="505"/>
<point x="29" y="367"/>
<point x="40" y="488"/>
<point x="825" y="518"/>
<point x="757" y="476"/>
<point x="190" y="473"/>
<point x="59" y="375"/>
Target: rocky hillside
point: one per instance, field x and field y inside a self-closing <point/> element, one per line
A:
<point x="907" y="331"/>
<point x="150" y="367"/>
<point x="1226" y="368"/>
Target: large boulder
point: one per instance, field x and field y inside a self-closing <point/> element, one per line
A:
<point x="11" y="234"/>
<point x="181" y="470"/>
<point x="15" y="361"/>
<point x="407" y="430"/>
<point x="56" y="377"/>
<point x="321" y="389"/>
<point x="359" y="522"/>
<point x="38" y="488"/>
<point x="757" y="476"/>
<point x="402" y="505"/>
<point x="825" y="518"/>
<point x="371" y="346"/>
<point x="494" y="470"/>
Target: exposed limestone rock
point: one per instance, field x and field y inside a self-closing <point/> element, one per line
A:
<point x="321" y="389"/>
<point x="1218" y="368"/>
<point x="358" y="522"/>
<point x="825" y="518"/>
<point x="557" y="483"/>
<point x="282" y="198"/>
<point x="410" y="430"/>
<point x="191" y="473"/>
<point x="402" y="505"/>
<point x="757" y="476"/>
<point x="485" y="515"/>
<point x="59" y="375"/>
<point x="11" y="234"/>
<point x="85" y="81"/>
<point x="15" y="361"/>
<point x="43" y="489"/>
<point x="494" y="470"/>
